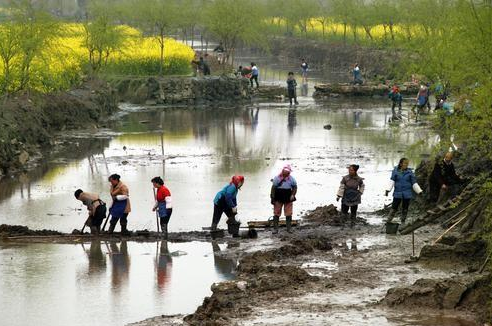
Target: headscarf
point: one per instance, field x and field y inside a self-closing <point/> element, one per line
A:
<point x="287" y="167"/>
<point x="237" y="179"/>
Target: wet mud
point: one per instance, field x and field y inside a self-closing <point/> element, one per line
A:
<point x="338" y="275"/>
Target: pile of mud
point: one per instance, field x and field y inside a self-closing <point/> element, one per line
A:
<point x="329" y="215"/>
<point x="469" y="292"/>
<point x="20" y="230"/>
<point x="262" y="278"/>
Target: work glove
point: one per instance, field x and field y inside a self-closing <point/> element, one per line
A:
<point x="292" y="198"/>
<point x="234" y="210"/>
<point x="338" y="198"/>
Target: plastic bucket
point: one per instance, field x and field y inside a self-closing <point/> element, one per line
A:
<point x="233" y="227"/>
<point x="392" y="228"/>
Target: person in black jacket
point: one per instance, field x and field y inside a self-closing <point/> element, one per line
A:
<point x="444" y="179"/>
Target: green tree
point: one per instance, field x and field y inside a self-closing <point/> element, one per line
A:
<point x="228" y="21"/>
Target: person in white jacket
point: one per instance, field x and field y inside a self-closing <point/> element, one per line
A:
<point x="404" y="182"/>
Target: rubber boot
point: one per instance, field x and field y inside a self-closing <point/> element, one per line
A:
<point x="404" y="214"/>
<point x="275" y="224"/>
<point x="124" y="230"/>
<point x="111" y="227"/>
<point x="164" y="230"/>
<point x="213" y="227"/>
<point x="391" y="216"/>
<point x="353" y="219"/>
<point x="94" y="230"/>
<point x="288" y="223"/>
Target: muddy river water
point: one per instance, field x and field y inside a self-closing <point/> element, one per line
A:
<point x="51" y="284"/>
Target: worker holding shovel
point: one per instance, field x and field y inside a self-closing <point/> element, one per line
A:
<point x="96" y="208"/>
<point x="225" y="202"/>
<point x="121" y="204"/>
<point x="163" y="203"/>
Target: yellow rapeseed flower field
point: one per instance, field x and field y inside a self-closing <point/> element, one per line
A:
<point x="65" y="61"/>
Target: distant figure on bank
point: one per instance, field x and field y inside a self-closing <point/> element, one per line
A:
<point x="219" y="49"/>
<point x="96" y="208"/>
<point x="396" y="99"/>
<point x="405" y="183"/>
<point x="283" y="194"/>
<point x="291" y="88"/>
<point x="423" y="99"/>
<point x="226" y="202"/>
<point x="204" y="67"/>
<point x="121" y="204"/>
<point x="163" y="203"/>
<point x="357" y="75"/>
<point x="255" y="73"/>
<point x="350" y="191"/>
<point x="444" y="181"/>
<point x="304" y="70"/>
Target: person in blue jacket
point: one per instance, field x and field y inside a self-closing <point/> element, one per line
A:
<point x="405" y="184"/>
<point x="225" y="202"/>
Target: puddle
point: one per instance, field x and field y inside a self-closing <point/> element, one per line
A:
<point x="106" y="283"/>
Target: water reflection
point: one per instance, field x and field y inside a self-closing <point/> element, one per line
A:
<point x="226" y="267"/>
<point x="164" y="264"/>
<point x="292" y="120"/>
<point x="40" y="287"/>
<point x="203" y="147"/>
<point x="97" y="259"/>
<point x="120" y="263"/>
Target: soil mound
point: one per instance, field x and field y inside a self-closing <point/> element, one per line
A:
<point x="329" y="215"/>
<point x="20" y="230"/>
<point x="462" y="292"/>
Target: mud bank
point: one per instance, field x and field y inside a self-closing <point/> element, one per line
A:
<point x="22" y="234"/>
<point x="28" y="123"/>
<point x="335" y="275"/>
<point x="181" y="90"/>
<point x="368" y="89"/>
<point x="336" y="59"/>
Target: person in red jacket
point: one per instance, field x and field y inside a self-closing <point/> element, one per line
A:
<point x="163" y="204"/>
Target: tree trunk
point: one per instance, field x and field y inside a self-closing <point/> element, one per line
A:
<point x="161" y="65"/>
<point x="367" y="29"/>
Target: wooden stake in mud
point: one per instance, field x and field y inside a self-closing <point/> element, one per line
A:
<point x="413" y="244"/>
<point x="156" y="212"/>
<point x="106" y="221"/>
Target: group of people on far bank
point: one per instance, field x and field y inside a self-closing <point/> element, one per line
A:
<point x="443" y="183"/>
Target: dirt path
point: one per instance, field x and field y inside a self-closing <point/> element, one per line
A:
<point x="323" y="275"/>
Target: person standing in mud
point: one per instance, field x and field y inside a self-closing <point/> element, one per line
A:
<point x="404" y="182"/>
<point x="121" y="204"/>
<point x="96" y="208"/>
<point x="396" y="100"/>
<point x="291" y="88"/>
<point x="226" y="202"/>
<point x="350" y="191"/>
<point x="443" y="181"/>
<point x="304" y="70"/>
<point x="255" y="73"/>
<point x="163" y="204"/>
<point x="357" y="75"/>
<point x="283" y="194"/>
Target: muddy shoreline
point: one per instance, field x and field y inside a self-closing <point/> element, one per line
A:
<point x="337" y="275"/>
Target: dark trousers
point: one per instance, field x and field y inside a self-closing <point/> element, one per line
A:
<point x="123" y="219"/>
<point x="292" y="95"/>
<point x="397" y="201"/>
<point x="353" y="210"/>
<point x="99" y="216"/>
<point x="218" y="210"/>
<point x="393" y="106"/>
<point x="165" y="219"/>
<point x="255" y="78"/>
